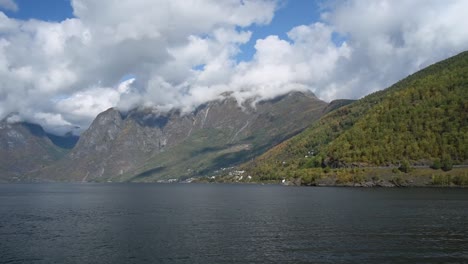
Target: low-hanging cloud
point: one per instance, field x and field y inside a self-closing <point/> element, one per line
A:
<point x="179" y="54"/>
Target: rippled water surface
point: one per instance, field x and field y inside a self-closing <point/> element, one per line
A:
<point x="196" y="223"/>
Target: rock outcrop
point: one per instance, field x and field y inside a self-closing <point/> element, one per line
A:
<point x="147" y="145"/>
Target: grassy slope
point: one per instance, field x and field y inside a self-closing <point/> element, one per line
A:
<point x="421" y="118"/>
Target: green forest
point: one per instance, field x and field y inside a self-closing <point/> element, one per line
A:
<point x="421" y="120"/>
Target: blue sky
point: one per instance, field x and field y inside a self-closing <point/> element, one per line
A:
<point x="291" y="13"/>
<point x="48" y="10"/>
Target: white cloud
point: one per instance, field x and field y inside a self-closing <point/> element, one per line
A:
<point x="306" y="62"/>
<point x="8" y="5"/>
<point x="82" y="60"/>
<point x="391" y="39"/>
<point x="51" y="120"/>
<point x="183" y="53"/>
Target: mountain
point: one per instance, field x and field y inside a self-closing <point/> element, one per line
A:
<point x="420" y="120"/>
<point x="148" y="145"/>
<point x="335" y="104"/>
<point x="25" y="147"/>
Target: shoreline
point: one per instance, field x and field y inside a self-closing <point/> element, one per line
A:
<point x="370" y="177"/>
<point x="377" y="186"/>
<point x="356" y="178"/>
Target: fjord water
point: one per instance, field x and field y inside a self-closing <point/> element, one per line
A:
<point x="202" y="223"/>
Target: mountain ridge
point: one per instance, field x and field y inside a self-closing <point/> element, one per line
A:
<point x="426" y="124"/>
<point x="25" y="147"/>
<point x="146" y="142"/>
<point x="418" y="120"/>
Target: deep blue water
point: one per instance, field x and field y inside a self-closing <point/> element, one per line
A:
<point x="202" y="223"/>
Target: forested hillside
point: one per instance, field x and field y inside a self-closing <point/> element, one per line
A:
<point x="420" y="120"/>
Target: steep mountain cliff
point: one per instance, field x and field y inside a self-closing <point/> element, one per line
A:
<point x="147" y="145"/>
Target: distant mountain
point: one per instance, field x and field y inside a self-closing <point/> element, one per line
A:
<point x="24" y="148"/>
<point x="147" y="145"/>
<point x="420" y="120"/>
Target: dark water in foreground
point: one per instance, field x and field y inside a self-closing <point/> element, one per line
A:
<point x="189" y="223"/>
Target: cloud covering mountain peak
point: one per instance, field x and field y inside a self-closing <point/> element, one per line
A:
<point x="179" y="54"/>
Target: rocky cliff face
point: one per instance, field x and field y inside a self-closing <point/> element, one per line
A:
<point x="146" y="145"/>
<point x="24" y="148"/>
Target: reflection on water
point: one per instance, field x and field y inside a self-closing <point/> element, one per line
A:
<point x="190" y="223"/>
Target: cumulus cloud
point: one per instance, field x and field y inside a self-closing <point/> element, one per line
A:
<point x="73" y="68"/>
<point x="305" y="61"/>
<point x="180" y="54"/>
<point x="391" y="39"/>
